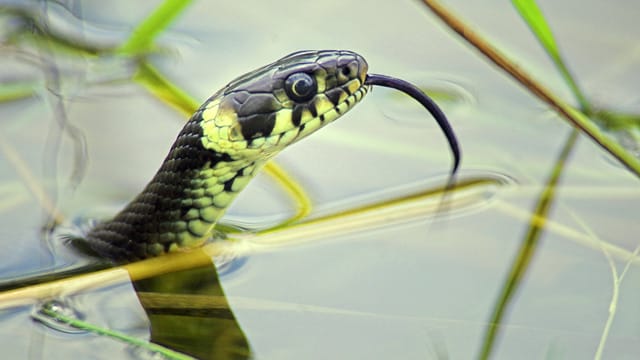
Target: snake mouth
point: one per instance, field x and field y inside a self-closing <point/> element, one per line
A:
<point x="424" y="100"/>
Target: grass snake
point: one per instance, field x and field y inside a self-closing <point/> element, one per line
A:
<point x="230" y="137"/>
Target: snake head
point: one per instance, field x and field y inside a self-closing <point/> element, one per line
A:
<point x="263" y="111"/>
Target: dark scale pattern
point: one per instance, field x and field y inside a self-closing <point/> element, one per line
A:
<point x="296" y="115"/>
<point x="334" y="95"/>
<point x="155" y="215"/>
<point x="256" y="114"/>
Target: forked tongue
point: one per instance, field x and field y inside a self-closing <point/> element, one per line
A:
<point x="430" y="105"/>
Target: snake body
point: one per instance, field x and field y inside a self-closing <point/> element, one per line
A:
<point x="224" y="144"/>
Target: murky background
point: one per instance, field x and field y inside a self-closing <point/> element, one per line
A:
<point x="422" y="289"/>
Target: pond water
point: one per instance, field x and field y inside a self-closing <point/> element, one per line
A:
<point x="423" y="287"/>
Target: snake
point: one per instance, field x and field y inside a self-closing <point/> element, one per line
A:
<point x="230" y="137"/>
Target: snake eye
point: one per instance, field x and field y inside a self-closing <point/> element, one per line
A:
<point x="300" y="86"/>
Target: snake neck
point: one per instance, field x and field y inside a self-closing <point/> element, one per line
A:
<point x="180" y="205"/>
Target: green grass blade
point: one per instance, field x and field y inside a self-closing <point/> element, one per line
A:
<point x="534" y="18"/>
<point x="142" y="37"/>
<point x="50" y="311"/>
<point x="17" y="91"/>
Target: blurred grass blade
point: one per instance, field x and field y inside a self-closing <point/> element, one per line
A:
<point x="148" y="76"/>
<point x="613" y="120"/>
<point x="17" y="91"/>
<point x="534" y="18"/>
<point x="527" y="249"/>
<point x="142" y="37"/>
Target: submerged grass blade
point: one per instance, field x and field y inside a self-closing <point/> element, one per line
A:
<point x="384" y="213"/>
<point x="296" y="192"/>
<point x="527" y="249"/>
<point x="50" y="312"/>
<point x="533" y="17"/>
<point x="564" y="231"/>
<point x="142" y="37"/>
<point x="573" y="116"/>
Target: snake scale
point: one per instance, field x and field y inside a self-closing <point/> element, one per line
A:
<point x="229" y="138"/>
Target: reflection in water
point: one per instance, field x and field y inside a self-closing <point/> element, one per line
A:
<point x="189" y="313"/>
